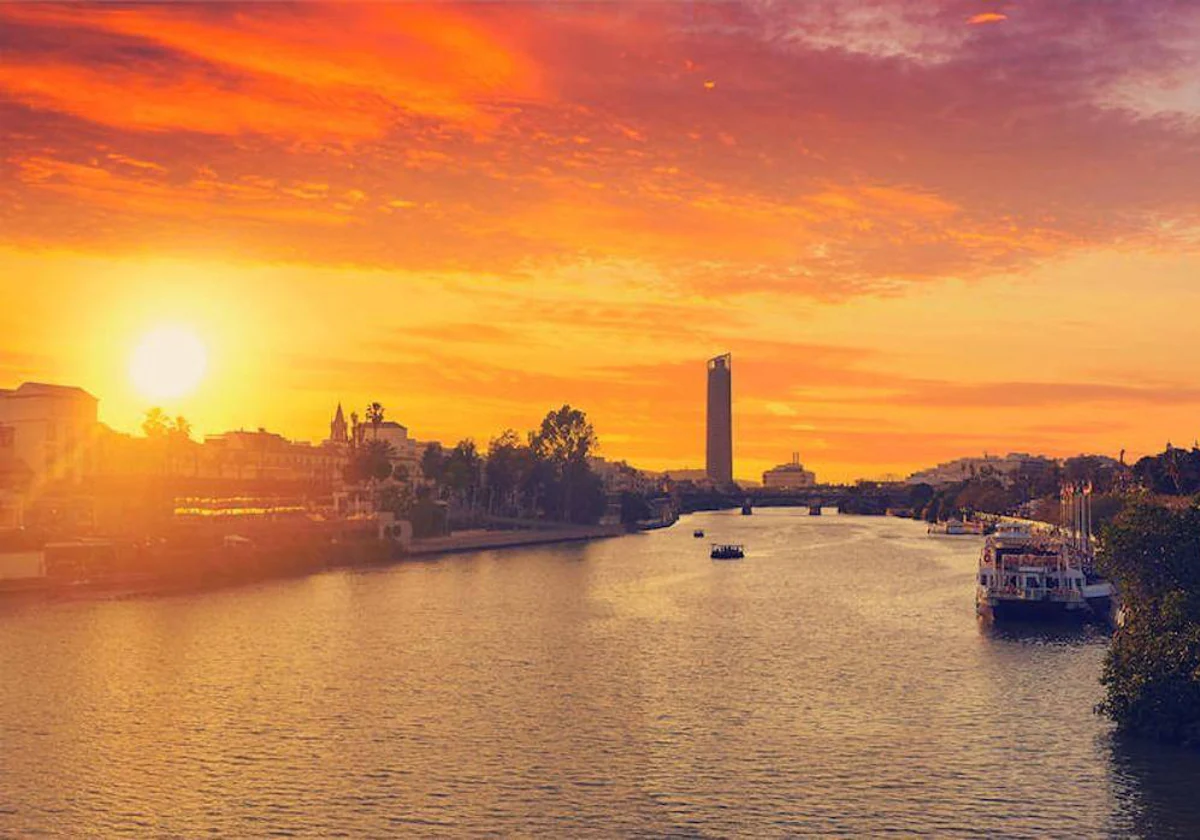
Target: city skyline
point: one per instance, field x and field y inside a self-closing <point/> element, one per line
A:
<point x="471" y="212"/>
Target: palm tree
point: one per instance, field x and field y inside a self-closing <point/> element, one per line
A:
<point x="375" y="418"/>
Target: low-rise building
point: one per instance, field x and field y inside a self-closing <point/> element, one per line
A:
<point x="789" y="476"/>
<point x="964" y="469"/>
<point x="51" y="429"/>
<point x="266" y="456"/>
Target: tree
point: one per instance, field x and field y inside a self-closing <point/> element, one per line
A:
<point x="919" y="497"/>
<point x="564" y="441"/>
<point x="1152" y="670"/>
<point x="375" y="418"/>
<point x="1101" y="472"/>
<point x="182" y="429"/>
<point x="156" y="424"/>
<point x="370" y="463"/>
<point x="1035" y="478"/>
<point x="433" y="463"/>
<point x="508" y="461"/>
<point x="168" y="436"/>
<point x="396" y="499"/>
<point x="985" y="494"/>
<point x="463" y="469"/>
<point x="634" y="508"/>
<point x="1174" y="472"/>
<point x="564" y="437"/>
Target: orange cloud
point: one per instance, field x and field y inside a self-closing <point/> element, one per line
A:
<point x="289" y="74"/>
<point x="561" y="170"/>
<point x="127" y="99"/>
<point x="986" y="17"/>
<point x="200" y="199"/>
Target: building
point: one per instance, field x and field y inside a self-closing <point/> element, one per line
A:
<point x="963" y="469"/>
<point x="620" y="477"/>
<point x="681" y="475"/>
<point x="264" y="456"/>
<point x="338" y="430"/>
<point x="789" y="476"/>
<point x="405" y="451"/>
<point x="719" y="449"/>
<point x="51" y="429"/>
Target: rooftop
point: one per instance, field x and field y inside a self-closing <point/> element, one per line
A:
<point x="43" y="389"/>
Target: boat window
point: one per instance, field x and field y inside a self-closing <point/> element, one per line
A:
<point x="1032" y="582"/>
<point x="983" y="579"/>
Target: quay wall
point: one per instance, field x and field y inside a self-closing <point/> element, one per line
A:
<point x="481" y="540"/>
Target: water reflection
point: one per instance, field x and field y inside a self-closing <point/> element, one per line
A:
<point x="836" y="682"/>
<point x="1158" y="786"/>
<point x="1044" y="632"/>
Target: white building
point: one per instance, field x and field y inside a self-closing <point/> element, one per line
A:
<point x="963" y="469"/>
<point x="788" y="476"/>
<point x="51" y="429"/>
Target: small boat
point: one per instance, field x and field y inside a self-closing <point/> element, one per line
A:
<point x="727" y="551"/>
<point x="698" y="533"/>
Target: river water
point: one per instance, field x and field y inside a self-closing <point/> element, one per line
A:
<point x="835" y="682"/>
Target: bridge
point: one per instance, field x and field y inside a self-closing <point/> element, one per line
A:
<point x="860" y="498"/>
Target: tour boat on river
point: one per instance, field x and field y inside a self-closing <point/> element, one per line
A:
<point x="727" y="551"/>
<point x="1023" y="574"/>
<point x="1028" y="575"/>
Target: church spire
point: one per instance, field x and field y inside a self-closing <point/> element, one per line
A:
<point x="337" y="429"/>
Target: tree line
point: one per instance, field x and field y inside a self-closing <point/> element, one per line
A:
<point x="544" y="474"/>
<point x="1033" y="488"/>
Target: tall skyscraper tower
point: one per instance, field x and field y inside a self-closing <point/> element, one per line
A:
<point x="719" y="455"/>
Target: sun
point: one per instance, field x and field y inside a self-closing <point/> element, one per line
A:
<point x="168" y="363"/>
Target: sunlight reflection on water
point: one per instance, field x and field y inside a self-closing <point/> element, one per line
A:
<point x="835" y="681"/>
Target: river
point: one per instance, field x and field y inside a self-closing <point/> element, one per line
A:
<point x="835" y="682"/>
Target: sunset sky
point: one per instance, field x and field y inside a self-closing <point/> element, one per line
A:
<point x="924" y="230"/>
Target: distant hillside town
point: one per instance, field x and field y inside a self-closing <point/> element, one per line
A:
<point x="1005" y="467"/>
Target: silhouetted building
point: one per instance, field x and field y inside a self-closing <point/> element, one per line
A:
<point x="50" y="428"/>
<point x="719" y="453"/>
<point x="788" y="476"/>
<point x="405" y="452"/>
<point x="338" y="431"/>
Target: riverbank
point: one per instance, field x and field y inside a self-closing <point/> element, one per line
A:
<point x="480" y="540"/>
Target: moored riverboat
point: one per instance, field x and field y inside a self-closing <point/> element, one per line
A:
<point x="956" y="528"/>
<point x="1025" y="575"/>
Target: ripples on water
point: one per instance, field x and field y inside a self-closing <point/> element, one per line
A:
<point x="836" y="682"/>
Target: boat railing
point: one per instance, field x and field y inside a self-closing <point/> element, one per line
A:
<point x="1036" y="593"/>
